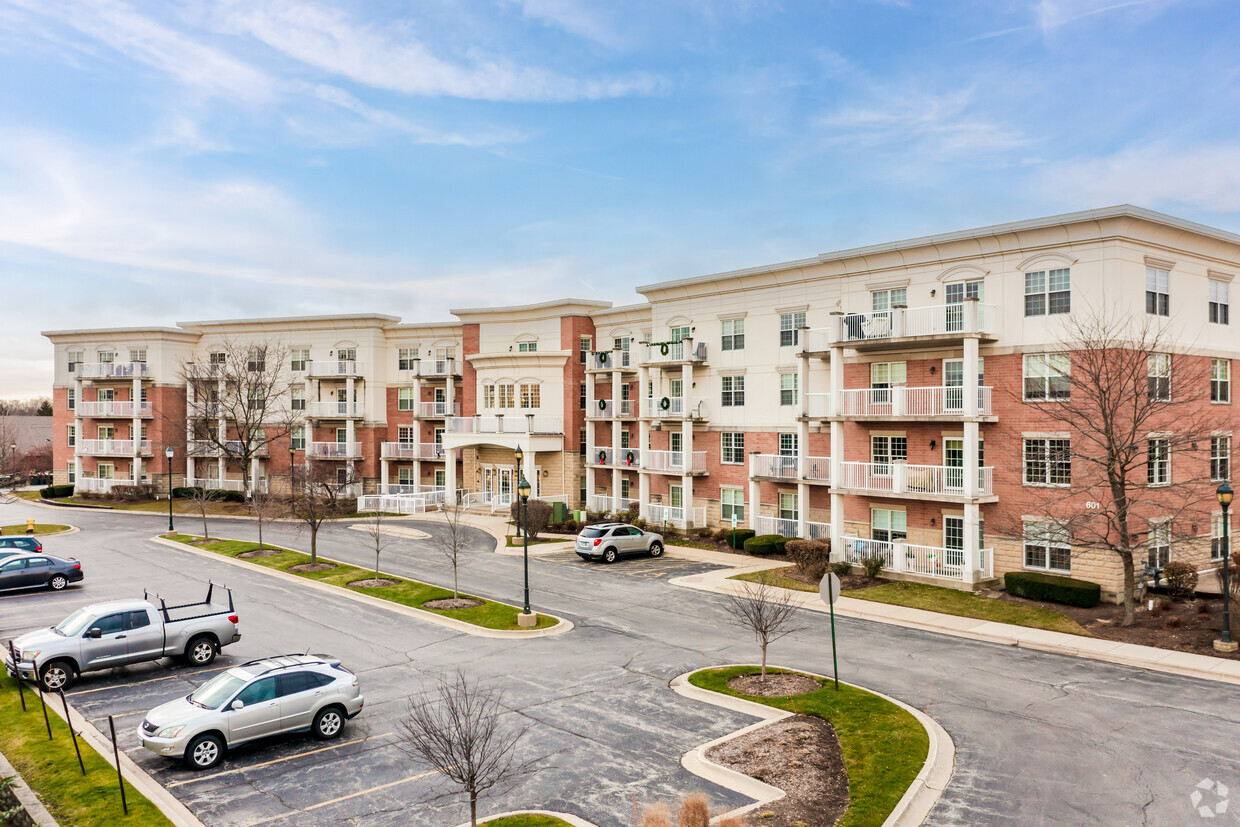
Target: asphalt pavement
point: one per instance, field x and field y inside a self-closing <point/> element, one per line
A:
<point x="1040" y="738"/>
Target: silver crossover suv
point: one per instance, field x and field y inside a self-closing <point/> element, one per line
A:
<point x="287" y="693"/>
<point x="608" y="541"/>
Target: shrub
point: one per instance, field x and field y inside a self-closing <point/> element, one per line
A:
<point x="694" y="812"/>
<point x="737" y="539"/>
<point x="656" y="816"/>
<point x="1172" y="622"/>
<point x="811" y="556"/>
<point x="765" y="544"/>
<point x="186" y="493"/>
<point x="873" y="566"/>
<point x="133" y="493"/>
<point x="40" y="479"/>
<point x="53" y="492"/>
<point x="640" y="523"/>
<point x="841" y="568"/>
<point x="1035" y="585"/>
<point x="231" y="496"/>
<point x="570" y="526"/>
<point x="1203" y="608"/>
<point x="1181" y="579"/>
<point x="704" y="533"/>
<point x="722" y="535"/>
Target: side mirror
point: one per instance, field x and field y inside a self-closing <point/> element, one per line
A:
<point x="95" y="633"/>
<point x="237" y="704"/>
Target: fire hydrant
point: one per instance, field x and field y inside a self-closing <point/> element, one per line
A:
<point x="30" y="526"/>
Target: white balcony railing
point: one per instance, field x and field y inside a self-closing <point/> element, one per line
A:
<point x="621" y="457"/>
<point x="785" y="526"/>
<point x="928" y="561"/>
<point x="818" y="404"/>
<point x="334" y="450"/>
<point x="665" y="406"/>
<point x="412" y="450"/>
<point x="665" y="352"/>
<point x="401" y="503"/>
<point x="911" y="402"/>
<point x="333" y="410"/>
<point x="901" y="478"/>
<point x="677" y="461"/>
<point x="658" y="514"/>
<point x="113" y="447"/>
<point x="610" y="408"/>
<point x="903" y="322"/>
<point x="233" y="447"/>
<point x="335" y="367"/>
<point x="211" y="484"/>
<point x="436" y="410"/>
<point x="610" y="359"/>
<point x="114" y="409"/>
<point x="605" y="503"/>
<point x="773" y="465"/>
<point x="818" y="531"/>
<point x="113" y="370"/>
<point x="431" y="368"/>
<point x="100" y="485"/>
<point x="514" y="423"/>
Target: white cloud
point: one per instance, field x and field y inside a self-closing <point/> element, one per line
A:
<point x="580" y="19"/>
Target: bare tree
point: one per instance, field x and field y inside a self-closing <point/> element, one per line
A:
<point x="375" y="530"/>
<point x="453" y="541"/>
<point x="457" y="730"/>
<point x="318" y="493"/>
<point x="201" y="497"/>
<point x="240" y="400"/>
<point x="1128" y="404"/>
<point x="265" y="507"/>
<point x="764" y="609"/>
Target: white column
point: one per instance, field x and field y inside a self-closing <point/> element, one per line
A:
<point x="383" y="476"/>
<point x="970" y="373"/>
<point x="755" y="493"/>
<point x="77" y="428"/>
<point x="686" y="379"/>
<point x="836" y="407"/>
<point x="615" y="489"/>
<point x="417" y="472"/>
<point x="836" y="402"/>
<point x="686" y="498"/>
<point x="254" y="473"/>
<point x="189" y="466"/>
<point x="802" y="509"/>
<point x="449" y="478"/>
<point x="449" y="394"/>
<point x="972" y="517"/>
<point x="223" y="472"/>
<point x="417" y="399"/>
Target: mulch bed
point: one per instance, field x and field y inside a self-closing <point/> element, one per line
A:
<point x="373" y="583"/>
<point x="311" y="567"/>
<point x="265" y="552"/>
<point x="849" y="582"/>
<point x="773" y="685"/>
<point x="443" y="603"/>
<point x="799" y="755"/>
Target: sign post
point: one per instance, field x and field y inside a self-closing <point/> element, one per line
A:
<point x="734" y="531"/>
<point x="829" y="589"/>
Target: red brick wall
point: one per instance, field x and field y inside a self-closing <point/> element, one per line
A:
<point x="469" y="377"/>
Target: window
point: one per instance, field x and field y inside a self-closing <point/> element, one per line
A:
<point x="581" y="439"/>
<point x="405" y="399"/>
<point x="957" y="291"/>
<point x="342" y="436"/>
<point x="507" y="395"/>
<point x="75" y="359"/>
<point x="581" y="396"/>
<point x="787" y="506"/>
<point x="531" y="395"/>
<point x="298" y="402"/>
<point x="887" y="449"/>
<point x="137" y="355"/>
<point x="488" y="396"/>
<point x="884" y="300"/>
<point x="733" y="391"/>
<point x="788" y="389"/>
<point x="72" y="436"/>
<point x="346" y="354"/>
<point x="1157" y="293"/>
<point x="73" y="472"/>
<point x="1219" y="305"/>
<point x="1220" y="458"/>
<point x="257" y="399"/>
<point x="731" y="504"/>
<point x="137" y="619"/>
<point x="1047" y="547"/>
<point x="787" y="445"/>
<point x="263" y="689"/>
<point x="107" y="357"/>
<point x="299" y="438"/>
<point x="72" y="399"/>
<point x="882" y="376"/>
<point x="527" y="347"/>
<point x="1048" y="292"/>
<point x="586" y="344"/>
<point x="441" y="477"/>
<point x="1158" y="367"/>
<point x="1216" y="534"/>
<point x="1158" y="461"/>
<point x="406" y="435"/>
<point x="733" y="334"/>
<point x="624" y="439"/>
<point x="1160" y="544"/>
<point x="256" y="360"/>
<point x="1048" y="461"/>
<point x="1220" y="380"/>
<point x="624" y="489"/>
<point x="406" y="358"/>
<point x="404" y="476"/>
<point x="679" y="334"/>
<point x="789" y="328"/>
<point x="1047" y="377"/>
<point x="142" y="394"/>
<point x="888" y="526"/>
<point x="218" y="358"/>
<point x="732" y="448"/>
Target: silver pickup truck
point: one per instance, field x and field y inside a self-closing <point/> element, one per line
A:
<point x="120" y="632"/>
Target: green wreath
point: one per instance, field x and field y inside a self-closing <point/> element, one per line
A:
<point x="602" y="404"/>
<point x="665" y="403"/>
<point x="629" y="457"/>
<point x="663" y="348"/>
<point x="602" y="358"/>
<point x="602" y="457"/>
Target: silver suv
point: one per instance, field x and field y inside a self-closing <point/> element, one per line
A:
<point x="287" y="693"/>
<point x="609" y="541"/>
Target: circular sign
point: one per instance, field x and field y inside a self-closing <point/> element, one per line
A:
<point x="829" y="588"/>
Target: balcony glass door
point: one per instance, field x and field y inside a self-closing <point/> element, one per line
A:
<point x="675" y="440"/>
<point x="953" y="385"/>
<point x="953" y="458"/>
<point x="953" y="541"/>
<point x="955" y="294"/>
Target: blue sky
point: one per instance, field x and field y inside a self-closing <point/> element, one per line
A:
<point x="179" y="160"/>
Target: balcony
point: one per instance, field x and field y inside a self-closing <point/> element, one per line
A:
<point x="783" y="467"/>
<point x="902" y="326"/>
<point x="659" y="514"/>
<point x="334" y="410"/>
<point x="610" y="360"/>
<point x="818" y="405"/>
<point x="339" y="368"/>
<point x="911" y="403"/>
<point x="790" y="527"/>
<point x="212" y="484"/>
<point x="430" y="368"/>
<point x="433" y="410"/>
<point x="402" y="488"/>
<point x="611" y="409"/>
<point x="615" y="457"/>
<point x="119" y="410"/>
<point x="233" y="447"/>
<point x="925" y="481"/>
<point x="113" y="370"/>
<point x="674" y="462"/>
<point x="926" y="561"/>
<point x="412" y="450"/>
<point x="99" y="485"/>
<point x="674" y="353"/>
<point x="402" y="502"/>
<point x="113" y="447"/>
<point x="605" y="503"/>
<point x="205" y="410"/>
<point x="506" y="424"/>
<point x="334" y="450"/>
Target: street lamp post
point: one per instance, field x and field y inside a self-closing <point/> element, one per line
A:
<point x="12" y="463"/>
<point x="523" y="489"/>
<point x="292" y="486"/>
<point x="168" y="455"/>
<point x="520" y="520"/>
<point x="1226" y="644"/>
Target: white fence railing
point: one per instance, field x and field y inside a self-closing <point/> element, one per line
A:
<point x="818" y="531"/>
<point x="610" y="408"/>
<point x="773" y="465"/>
<point x="611" y="359"/>
<point x="911" y="402"/>
<point x="622" y="457"/>
<point x="98" y="485"/>
<point x="605" y="503"/>
<point x="680" y="461"/>
<point x="818" y="404"/>
<point x="393" y="488"/>
<point x="514" y="423"/>
<point x="665" y="406"/>
<point x="675" y="352"/>
<point x="334" y="450"/>
<point x="928" y="561"/>
<point x="113" y="370"/>
<point x="412" y="503"/>
<point x="211" y="484"/>
<point x="657" y="513"/>
<point x="901" y="478"/>
<point x="335" y="367"/>
<point x="899" y="323"/>
<point x="117" y="409"/>
<point x="778" y="525"/>
<point x="113" y="447"/>
<point x="436" y="410"/>
<point x="412" y="450"/>
<point x="333" y="409"/>
<point x="430" y="368"/>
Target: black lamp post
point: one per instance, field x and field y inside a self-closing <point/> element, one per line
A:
<point x="523" y="488"/>
<point x="292" y="487"/>
<point x="520" y="455"/>
<point x="168" y="455"/>
<point x="1224" y="495"/>
<point x="13" y="458"/>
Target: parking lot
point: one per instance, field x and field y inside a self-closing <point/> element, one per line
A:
<point x="651" y="567"/>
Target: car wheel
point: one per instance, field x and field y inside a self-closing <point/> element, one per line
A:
<point x="656" y="548"/>
<point x="56" y="676"/>
<point x="204" y="752"/>
<point x="328" y="723"/>
<point x="58" y="582"/>
<point x="609" y="555"/>
<point x="200" y="651"/>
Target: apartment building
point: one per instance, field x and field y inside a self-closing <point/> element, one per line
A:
<point x="892" y="398"/>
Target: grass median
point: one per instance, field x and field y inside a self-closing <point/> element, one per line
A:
<point x="39" y="528"/>
<point x="490" y="615"/>
<point x="528" y="820"/>
<point x="51" y="767"/>
<point x="884" y="746"/>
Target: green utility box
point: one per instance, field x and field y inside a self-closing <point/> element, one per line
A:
<point x="559" y="512"/>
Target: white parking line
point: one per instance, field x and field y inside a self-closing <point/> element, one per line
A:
<point x="342" y="798"/>
<point x="273" y="761"/>
<point x="148" y="680"/>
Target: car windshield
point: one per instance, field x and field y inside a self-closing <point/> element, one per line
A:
<point x="214" y="692"/>
<point x="593" y="532"/>
<point x="74" y="623"/>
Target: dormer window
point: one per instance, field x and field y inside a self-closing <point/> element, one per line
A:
<point x="527" y="347"/>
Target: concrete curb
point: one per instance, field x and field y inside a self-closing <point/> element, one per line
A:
<point x="913" y="807"/>
<point x="1040" y="640"/>
<point x="173" y="809"/>
<point x="560" y="628"/>
<point x="70" y="530"/>
<point x="571" y="819"/>
<point x="25" y="796"/>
